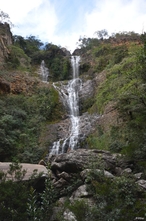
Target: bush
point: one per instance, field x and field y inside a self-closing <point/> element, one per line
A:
<point x="17" y="58"/>
<point x="117" y="199"/>
<point x="21" y="121"/>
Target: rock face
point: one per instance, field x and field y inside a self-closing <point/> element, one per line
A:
<point x="71" y="175"/>
<point x="88" y="123"/>
<point x="18" y="83"/>
<point x="5" y="41"/>
<point x="67" y="53"/>
<point x="75" y="161"/>
<point x="25" y="172"/>
<point x="28" y="168"/>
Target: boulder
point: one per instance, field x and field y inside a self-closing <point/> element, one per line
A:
<point x="85" y="173"/>
<point x="29" y="170"/>
<point x="81" y="192"/>
<point x="69" y="216"/>
<point x="142" y="183"/>
<point x="138" y="175"/>
<point x="60" y="183"/>
<point x="80" y="159"/>
<point x="4" y="87"/>
<point x="65" y="176"/>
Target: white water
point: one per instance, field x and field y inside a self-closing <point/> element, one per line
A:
<point x="73" y="101"/>
<point x="44" y="71"/>
<point x="69" y="94"/>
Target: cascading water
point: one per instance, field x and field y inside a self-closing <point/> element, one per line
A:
<point x="73" y="102"/>
<point x="69" y="94"/>
<point x="44" y="71"/>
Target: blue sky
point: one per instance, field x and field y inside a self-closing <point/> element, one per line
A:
<point x="63" y="22"/>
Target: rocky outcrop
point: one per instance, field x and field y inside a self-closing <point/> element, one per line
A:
<point x="89" y="89"/>
<point x="77" y="52"/>
<point x="17" y="83"/>
<point x="110" y="117"/>
<point x="4" y="87"/>
<point x="67" y="53"/>
<point x="71" y="176"/>
<point x="82" y="159"/>
<point x="88" y="124"/>
<point x="5" y="41"/>
<point x="28" y="170"/>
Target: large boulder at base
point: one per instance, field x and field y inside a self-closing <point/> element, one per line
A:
<point x="30" y="169"/>
<point x="77" y="160"/>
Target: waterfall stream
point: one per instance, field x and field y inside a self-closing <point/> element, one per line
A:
<point x="69" y="94"/>
<point x="44" y="71"/>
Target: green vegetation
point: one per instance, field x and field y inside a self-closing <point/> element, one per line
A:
<point x="55" y="59"/>
<point x="17" y="59"/>
<point x="21" y="120"/>
<point x="124" y="89"/>
<point x="117" y="199"/>
<point x="4" y="17"/>
<point x="20" y="201"/>
<point x="25" y="115"/>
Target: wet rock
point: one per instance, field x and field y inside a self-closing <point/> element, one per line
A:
<point x="87" y="90"/>
<point x="88" y="123"/>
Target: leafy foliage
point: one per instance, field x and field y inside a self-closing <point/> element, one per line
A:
<point x="123" y="59"/>
<point x="41" y="209"/>
<point x="17" y="58"/>
<point x="21" y="120"/>
<point x="55" y="59"/>
<point x="19" y="200"/>
<point x="30" y="45"/>
<point x="115" y="197"/>
<point x="4" y="17"/>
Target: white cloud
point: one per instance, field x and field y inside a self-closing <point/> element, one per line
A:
<point x="17" y="9"/>
<point x="32" y="17"/>
<point x="55" y="21"/>
<point x="116" y="15"/>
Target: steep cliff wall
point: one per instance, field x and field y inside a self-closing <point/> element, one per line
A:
<point x="5" y="41"/>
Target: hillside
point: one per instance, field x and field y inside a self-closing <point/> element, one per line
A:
<point x="120" y="97"/>
<point x="104" y="177"/>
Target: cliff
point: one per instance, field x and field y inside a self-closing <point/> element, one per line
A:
<point x="5" y="42"/>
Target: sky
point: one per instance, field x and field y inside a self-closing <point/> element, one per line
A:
<point x="63" y="22"/>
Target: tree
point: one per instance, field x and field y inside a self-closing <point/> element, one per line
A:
<point x="4" y="17"/>
<point x="19" y="41"/>
<point x="101" y="34"/>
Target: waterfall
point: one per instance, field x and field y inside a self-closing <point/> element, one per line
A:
<point x="44" y="72"/>
<point x="73" y="101"/>
<point x="69" y="94"/>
